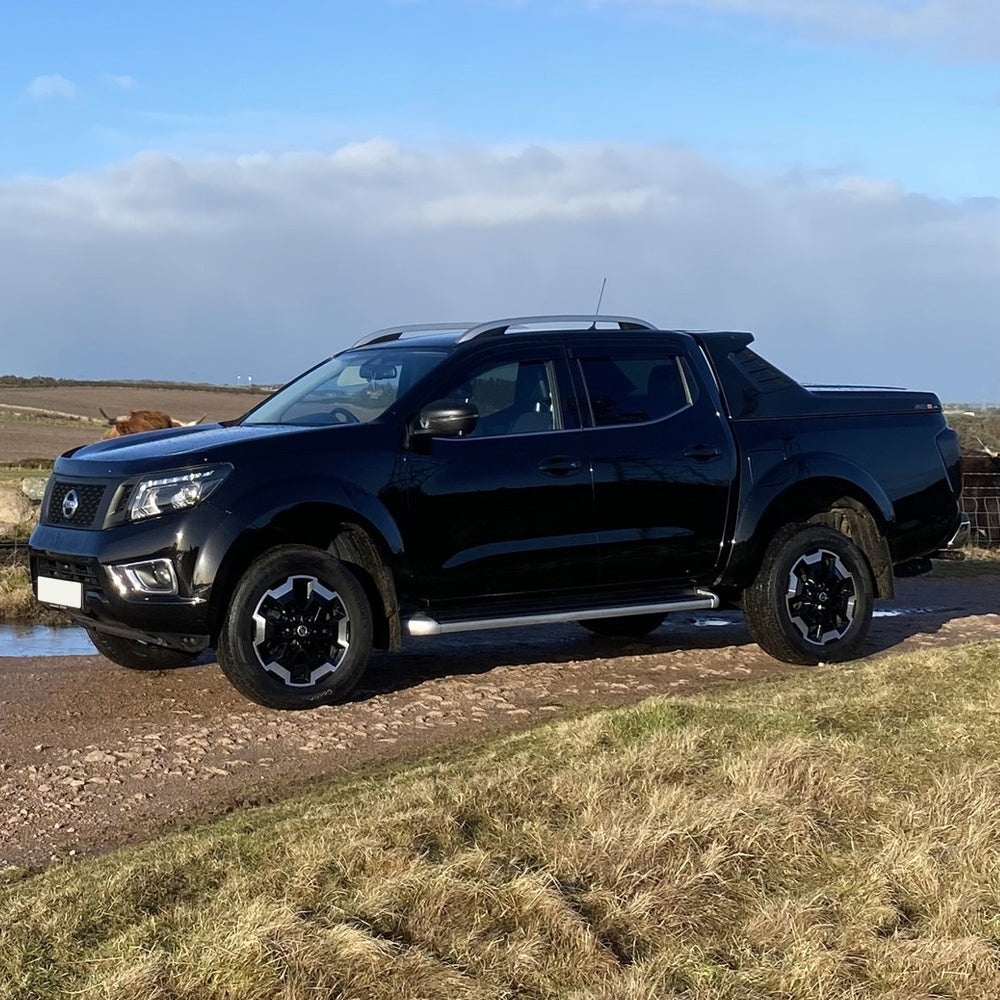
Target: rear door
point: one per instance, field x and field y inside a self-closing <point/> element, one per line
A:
<point x="508" y="509"/>
<point x="662" y="458"/>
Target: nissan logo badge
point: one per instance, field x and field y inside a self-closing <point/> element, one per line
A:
<point x="69" y="505"/>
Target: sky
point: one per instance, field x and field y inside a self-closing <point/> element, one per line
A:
<point x="215" y="190"/>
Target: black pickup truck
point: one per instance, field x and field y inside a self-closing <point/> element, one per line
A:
<point x="524" y="471"/>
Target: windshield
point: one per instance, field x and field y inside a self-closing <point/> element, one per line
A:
<point x="351" y="388"/>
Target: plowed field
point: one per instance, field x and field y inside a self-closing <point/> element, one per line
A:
<point x="38" y="422"/>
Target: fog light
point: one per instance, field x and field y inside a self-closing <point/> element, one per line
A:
<point x="153" y="576"/>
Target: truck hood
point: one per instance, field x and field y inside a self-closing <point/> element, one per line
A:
<point x="184" y="447"/>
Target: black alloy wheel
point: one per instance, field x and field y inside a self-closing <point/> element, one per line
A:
<point x="821" y="597"/>
<point x="299" y="630"/>
<point x="811" y="601"/>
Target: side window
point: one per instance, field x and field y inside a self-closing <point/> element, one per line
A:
<point x="633" y="390"/>
<point x="516" y="397"/>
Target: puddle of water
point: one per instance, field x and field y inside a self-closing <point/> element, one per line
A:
<point x="43" y="640"/>
<point x="708" y="621"/>
<point x="703" y="621"/>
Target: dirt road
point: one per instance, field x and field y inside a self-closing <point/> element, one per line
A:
<point x="92" y="755"/>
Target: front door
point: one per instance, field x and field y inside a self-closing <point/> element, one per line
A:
<point x="507" y="509"/>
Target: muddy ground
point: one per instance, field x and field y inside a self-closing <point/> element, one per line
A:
<point x="93" y="755"/>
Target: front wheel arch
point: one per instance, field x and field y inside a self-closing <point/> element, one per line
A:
<point x="327" y="528"/>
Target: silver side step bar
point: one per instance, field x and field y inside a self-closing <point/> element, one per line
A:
<point x="421" y="625"/>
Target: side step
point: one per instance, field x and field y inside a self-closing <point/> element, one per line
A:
<point x="421" y="625"/>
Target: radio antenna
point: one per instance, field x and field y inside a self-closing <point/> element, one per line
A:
<point x="600" y="299"/>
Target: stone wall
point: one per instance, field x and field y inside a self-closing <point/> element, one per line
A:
<point x="20" y="500"/>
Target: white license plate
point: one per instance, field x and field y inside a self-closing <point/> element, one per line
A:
<point x="65" y="593"/>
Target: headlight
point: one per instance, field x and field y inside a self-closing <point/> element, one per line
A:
<point x="177" y="491"/>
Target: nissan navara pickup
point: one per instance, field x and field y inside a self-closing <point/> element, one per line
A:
<point x="452" y="477"/>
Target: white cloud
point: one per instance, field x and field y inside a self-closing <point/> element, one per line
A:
<point x="870" y="187"/>
<point x="52" y="85"/>
<point x="160" y="267"/>
<point x="120" y="80"/>
<point x="963" y="28"/>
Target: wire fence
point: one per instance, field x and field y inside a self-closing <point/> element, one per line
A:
<point x="981" y="501"/>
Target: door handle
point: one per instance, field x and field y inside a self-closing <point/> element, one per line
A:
<point x="560" y="465"/>
<point x="703" y="453"/>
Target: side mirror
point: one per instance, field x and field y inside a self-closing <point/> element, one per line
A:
<point x="447" y="418"/>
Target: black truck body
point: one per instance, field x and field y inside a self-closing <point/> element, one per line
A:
<point x="456" y="477"/>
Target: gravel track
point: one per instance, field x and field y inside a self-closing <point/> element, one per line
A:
<point x="93" y="756"/>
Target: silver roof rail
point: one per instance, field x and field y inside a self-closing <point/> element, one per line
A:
<point x="498" y="326"/>
<point x="470" y="331"/>
<point x="395" y="332"/>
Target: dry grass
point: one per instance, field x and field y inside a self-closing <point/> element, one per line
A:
<point x="833" y="835"/>
<point x="18" y="604"/>
<point x="977" y="562"/>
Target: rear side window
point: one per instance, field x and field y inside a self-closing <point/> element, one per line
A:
<point x="635" y="390"/>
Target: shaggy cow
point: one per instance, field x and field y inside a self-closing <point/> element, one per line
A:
<point x="137" y="421"/>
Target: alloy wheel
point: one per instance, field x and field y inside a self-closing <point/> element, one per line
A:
<point x="301" y="631"/>
<point x="820" y="597"/>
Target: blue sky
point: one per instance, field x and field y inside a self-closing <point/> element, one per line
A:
<point x="227" y="78"/>
<point x="781" y="165"/>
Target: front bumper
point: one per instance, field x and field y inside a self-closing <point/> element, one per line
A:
<point x="82" y="556"/>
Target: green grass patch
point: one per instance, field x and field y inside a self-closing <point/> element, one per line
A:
<point x="833" y="834"/>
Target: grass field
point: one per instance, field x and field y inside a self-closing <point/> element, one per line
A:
<point x="17" y="601"/>
<point x="835" y="834"/>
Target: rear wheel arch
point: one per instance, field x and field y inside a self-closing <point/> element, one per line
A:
<point x="836" y="504"/>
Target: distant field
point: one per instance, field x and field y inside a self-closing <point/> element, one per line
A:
<point x="977" y="429"/>
<point x="27" y="434"/>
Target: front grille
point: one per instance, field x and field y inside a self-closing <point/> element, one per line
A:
<point x="88" y="497"/>
<point x="78" y="571"/>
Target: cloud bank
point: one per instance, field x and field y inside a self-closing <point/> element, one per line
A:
<point x="161" y="268"/>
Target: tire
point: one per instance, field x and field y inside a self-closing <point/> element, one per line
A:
<point x="812" y="599"/>
<point x="138" y="655"/>
<point x="626" y="627"/>
<point x="299" y="630"/>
